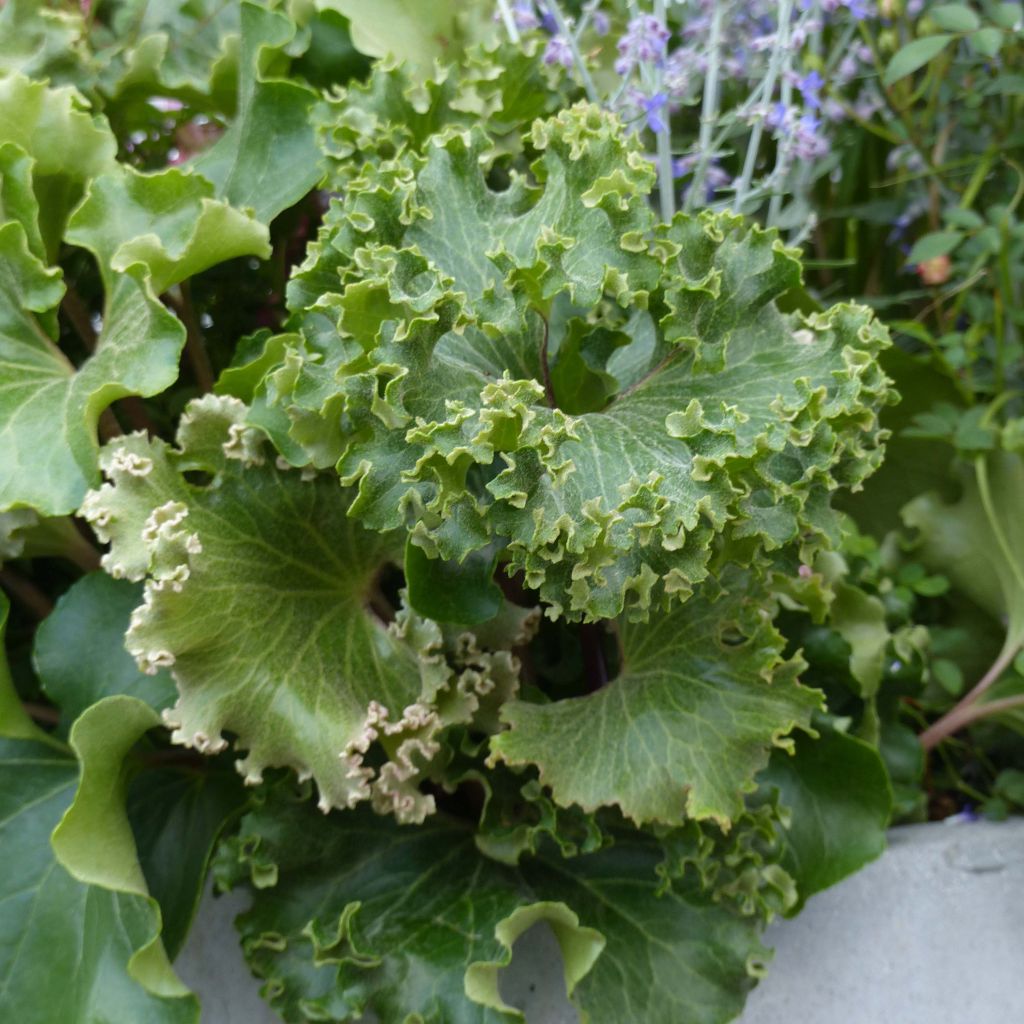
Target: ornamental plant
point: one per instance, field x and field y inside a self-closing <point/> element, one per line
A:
<point x="431" y="596"/>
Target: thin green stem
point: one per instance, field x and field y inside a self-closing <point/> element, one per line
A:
<point x="709" y="106"/>
<point x="570" y="38"/>
<point x="756" y="132"/>
<point x="666" y="182"/>
<point x="508" y="20"/>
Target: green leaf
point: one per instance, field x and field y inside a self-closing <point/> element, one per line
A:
<point x="168" y="221"/>
<point x="703" y="697"/>
<point x="958" y="217"/>
<point x="79" y="650"/>
<point x="954" y="17"/>
<point x="672" y="956"/>
<point x="409" y="31"/>
<point x="504" y="88"/>
<point x="728" y="416"/>
<point x="933" y="245"/>
<point x="148" y="232"/>
<point x="181" y="48"/>
<point x="837" y="790"/>
<point x="258" y="599"/>
<point x="15" y="721"/>
<point x="79" y="910"/>
<point x="987" y="42"/>
<point x="66" y="144"/>
<point x="859" y="618"/>
<point x="1007" y="15"/>
<point x="415" y="925"/>
<point x="978" y="541"/>
<point x="267" y="159"/>
<point x="909" y="58"/>
<point x="176" y="817"/>
<point x="453" y="592"/>
<point x="40" y="42"/>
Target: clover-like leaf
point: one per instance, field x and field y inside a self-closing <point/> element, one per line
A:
<point x="702" y="697"/>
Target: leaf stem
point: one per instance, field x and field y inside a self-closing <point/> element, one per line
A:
<point x="967" y="708"/>
<point x="709" y="105"/>
<point x="770" y="78"/>
<point x="195" y="346"/>
<point x="570" y="38"/>
<point x="545" y="368"/>
<point x="26" y="593"/>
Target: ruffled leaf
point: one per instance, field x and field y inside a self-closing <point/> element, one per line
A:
<point x="441" y="322"/>
<point x="415" y="925"/>
<point x="262" y="598"/>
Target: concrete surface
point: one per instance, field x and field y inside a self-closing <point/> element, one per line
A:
<point x="932" y="933"/>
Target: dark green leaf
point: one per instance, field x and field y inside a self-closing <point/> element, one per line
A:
<point x="79" y="649"/>
<point x="838" y="792"/>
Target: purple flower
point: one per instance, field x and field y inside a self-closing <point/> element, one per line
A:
<point x="548" y="22"/>
<point x="644" y="43"/>
<point x="680" y="67"/>
<point x="777" y="116"/>
<point x="652" y="107"/>
<point x="808" y="144"/>
<point x="600" y="23"/>
<point x="682" y="165"/>
<point x="558" y="51"/>
<point x="849" y="68"/>
<point x="524" y="15"/>
<point x="810" y="88"/>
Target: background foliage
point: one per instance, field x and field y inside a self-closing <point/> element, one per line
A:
<point x="442" y="485"/>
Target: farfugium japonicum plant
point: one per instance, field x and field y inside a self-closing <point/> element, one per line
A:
<point x="448" y="610"/>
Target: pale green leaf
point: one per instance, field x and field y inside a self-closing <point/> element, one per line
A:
<point x="267" y="159"/>
<point x="258" y="599"/>
<point x="954" y="17"/>
<point x="67" y="144"/>
<point x="168" y="221"/>
<point x="702" y="698"/>
<point x="147" y="232"/>
<point x="978" y="541"/>
<point x="914" y="55"/>
<point x="987" y="42"/>
<point x="409" y="31"/>
<point x="933" y="245"/>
